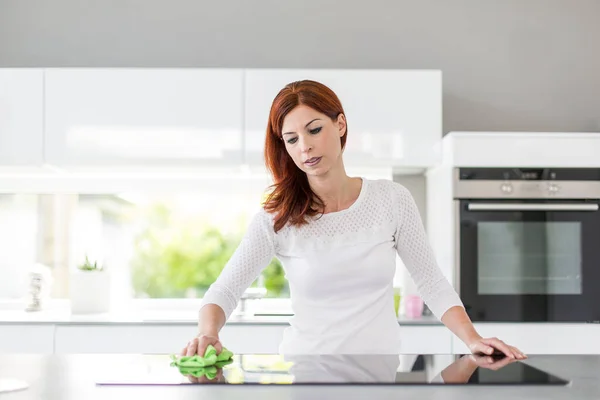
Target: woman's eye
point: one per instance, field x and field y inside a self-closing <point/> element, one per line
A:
<point x="315" y="131"/>
<point x="292" y="140"/>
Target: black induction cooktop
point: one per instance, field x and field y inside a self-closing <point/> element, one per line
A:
<point x="393" y="369"/>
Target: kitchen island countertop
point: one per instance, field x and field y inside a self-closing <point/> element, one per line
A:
<point x="67" y="377"/>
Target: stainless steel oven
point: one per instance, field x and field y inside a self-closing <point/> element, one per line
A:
<point x="528" y="245"/>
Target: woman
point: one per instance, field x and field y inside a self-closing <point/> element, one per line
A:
<point x="337" y="238"/>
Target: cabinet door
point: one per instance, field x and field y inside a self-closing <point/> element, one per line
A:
<point x="417" y="339"/>
<point x="26" y="339"/>
<point x="161" y="338"/>
<point x="21" y="116"/>
<point x="175" y="117"/>
<point x="394" y="116"/>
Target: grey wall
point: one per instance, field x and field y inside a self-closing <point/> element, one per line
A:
<point x="507" y="64"/>
<point x="417" y="186"/>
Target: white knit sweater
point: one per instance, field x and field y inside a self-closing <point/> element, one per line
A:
<point x="340" y="269"/>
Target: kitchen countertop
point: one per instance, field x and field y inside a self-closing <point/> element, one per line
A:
<point x="73" y="377"/>
<point x="64" y="317"/>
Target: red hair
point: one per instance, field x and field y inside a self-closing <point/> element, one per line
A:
<point x="291" y="198"/>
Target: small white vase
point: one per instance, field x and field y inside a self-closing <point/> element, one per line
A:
<point x="90" y="292"/>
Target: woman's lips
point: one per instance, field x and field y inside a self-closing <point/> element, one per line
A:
<point x="312" y="161"/>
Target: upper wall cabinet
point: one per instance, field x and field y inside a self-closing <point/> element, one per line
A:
<point x="21" y="116"/>
<point x="116" y="117"/>
<point x="394" y="116"/>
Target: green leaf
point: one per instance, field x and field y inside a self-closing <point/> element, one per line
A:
<point x="174" y="257"/>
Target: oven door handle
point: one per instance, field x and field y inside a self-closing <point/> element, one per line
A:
<point x="531" y="207"/>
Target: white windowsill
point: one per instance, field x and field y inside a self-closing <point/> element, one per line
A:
<point x="152" y="304"/>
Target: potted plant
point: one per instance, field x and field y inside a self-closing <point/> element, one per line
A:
<point x="90" y="288"/>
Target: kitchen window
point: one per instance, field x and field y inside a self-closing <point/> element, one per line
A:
<point x="163" y="247"/>
<point x="156" y="245"/>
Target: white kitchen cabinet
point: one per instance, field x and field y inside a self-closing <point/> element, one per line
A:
<point x="239" y="338"/>
<point x="126" y="338"/>
<point x="21" y="116"/>
<point x="162" y="338"/>
<point x="143" y="117"/>
<point x="430" y="339"/>
<point x="394" y="116"/>
<point x="507" y="149"/>
<point x="26" y="339"/>
<point x="540" y="338"/>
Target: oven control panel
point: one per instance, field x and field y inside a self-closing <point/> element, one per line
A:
<point x="530" y="174"/>
<point x="527" y="183"/>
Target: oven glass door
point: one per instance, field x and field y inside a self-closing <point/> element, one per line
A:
<point x="530" y="260"/>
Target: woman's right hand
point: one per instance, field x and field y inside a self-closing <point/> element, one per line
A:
<point x="199" y="344"/>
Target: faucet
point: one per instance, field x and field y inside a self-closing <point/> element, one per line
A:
<point x="250" y="294"/>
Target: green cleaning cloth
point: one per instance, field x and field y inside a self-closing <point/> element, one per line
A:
<point x="206" y="365"/>
<point x="209" y="372"/>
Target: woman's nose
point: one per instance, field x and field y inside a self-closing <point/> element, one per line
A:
<point x="305" y="144"/>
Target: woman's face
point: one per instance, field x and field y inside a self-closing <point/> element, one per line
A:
<point x="312" y="139"/>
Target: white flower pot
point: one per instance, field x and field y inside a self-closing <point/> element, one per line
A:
<point x="90" y="292"/>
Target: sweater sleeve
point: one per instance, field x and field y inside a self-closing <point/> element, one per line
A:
<point x="252" y="255"/>
<point x="416" y="253"/>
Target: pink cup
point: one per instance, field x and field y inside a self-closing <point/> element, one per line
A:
<point x="414" y="306"/>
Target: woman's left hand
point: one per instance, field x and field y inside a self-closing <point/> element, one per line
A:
<point x="488" y="345"/>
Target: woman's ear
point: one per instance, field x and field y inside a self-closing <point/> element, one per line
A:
<point x="341" y="123"/>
